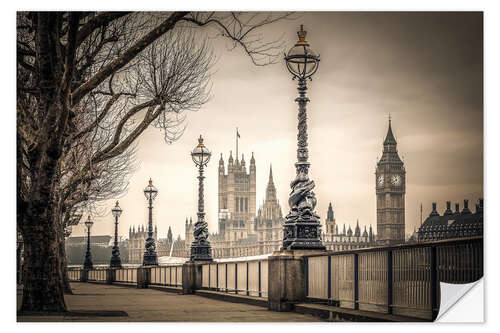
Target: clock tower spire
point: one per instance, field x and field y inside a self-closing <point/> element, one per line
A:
<point x="390" y="188"/>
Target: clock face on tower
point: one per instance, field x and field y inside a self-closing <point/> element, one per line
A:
<point x="396" y="180"/>
<point x="380" y="180"/>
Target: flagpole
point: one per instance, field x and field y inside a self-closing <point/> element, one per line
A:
<point x="237" y="144"/>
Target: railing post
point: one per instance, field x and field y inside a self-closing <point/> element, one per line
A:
<point x="329" y="281"/>
<point x="84" y="275"/>
<point x="110" y="275"/>
<point x="306" y="271"/>
<point x="389" y="282"/>
<point x="248" y="292"/>
<point x="434" y="283"/>
<point x="356" y="281"/>
<point x="143" y="277"/>
<point x="260" y="280"/>
<point x="217" y="277"/>
<point x="226" y="278"/>
<point x="236" y="278"/>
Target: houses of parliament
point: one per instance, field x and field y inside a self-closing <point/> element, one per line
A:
<point x="244" y="230"/>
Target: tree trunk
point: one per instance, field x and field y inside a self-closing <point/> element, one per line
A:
<point x="64" y="267"/>
<point x="43" y="287"/>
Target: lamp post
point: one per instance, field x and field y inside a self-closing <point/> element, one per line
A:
<point x="88" y="257"/>
<point x="302" y="228"/>
<point x="200" y="248"/>
<point x="116" y="261"/>
<point x="150" y="256"/>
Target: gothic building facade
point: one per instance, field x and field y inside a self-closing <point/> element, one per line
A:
<point x="241" y="230"/>
<point x="237" y="192"/>
<point x="339" y="240"/>
<point x="390" y="188"/>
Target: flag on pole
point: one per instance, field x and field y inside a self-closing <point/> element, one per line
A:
<point x="237" y="133"/>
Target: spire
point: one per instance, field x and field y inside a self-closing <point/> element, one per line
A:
<point x="221" y="160"/>
<point x="252" y="160"/>
<point x="271" y="189"/>
<point x="329" y="214"/>
<point x="357" y="230"/>
<point x="365" y="233"/>
<point x="169" y="234"/>
<point x="230" y="157"/>
<point x="389" y="138"/>
<point x="186" y="222"/>
<point x="390" y="153"/>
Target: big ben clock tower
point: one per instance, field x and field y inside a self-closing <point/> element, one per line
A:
<point x="390" y="185"/>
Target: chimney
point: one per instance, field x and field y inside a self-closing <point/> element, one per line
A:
<point x="448" y="209"/>
<point x="434" y="211"/>
<point x="466" y="209"/>
<point x="457" y="208"/>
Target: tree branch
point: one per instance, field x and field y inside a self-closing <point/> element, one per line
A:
<point x="121" y="61"/>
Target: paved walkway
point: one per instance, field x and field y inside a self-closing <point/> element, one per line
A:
<point x="96" y="302"/>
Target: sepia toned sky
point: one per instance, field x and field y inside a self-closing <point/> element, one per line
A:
<point x="425" y="69"/>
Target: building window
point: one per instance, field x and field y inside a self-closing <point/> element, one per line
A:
<point x="241" y="204"/>
<point x="246" y="204"/>
<point x="237" y="203"/>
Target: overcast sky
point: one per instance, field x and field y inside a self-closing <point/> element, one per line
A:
<point x="425" y="69"/>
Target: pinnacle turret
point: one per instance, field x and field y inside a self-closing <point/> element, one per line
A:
<point x="357" y="230"/>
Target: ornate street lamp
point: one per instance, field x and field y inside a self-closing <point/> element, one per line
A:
<point x="150" y="256"/>
<point x="116" y="261"/>
<point x="88" y="257"/>
<point x="302" y="228"/>
<point x="200" y="248"/>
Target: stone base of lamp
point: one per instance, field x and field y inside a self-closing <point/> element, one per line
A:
<point x="302" y="235"/>
<point x="201" y="252"/>
<point x="150" y="259"/>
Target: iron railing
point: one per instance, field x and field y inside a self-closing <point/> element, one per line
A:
<point x="248" y="278"/>
<point x="167" y="276"/>
<point x="401" y="280"/>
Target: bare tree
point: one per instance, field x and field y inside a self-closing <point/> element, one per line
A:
<point x="88" y="85"/>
